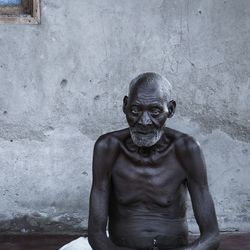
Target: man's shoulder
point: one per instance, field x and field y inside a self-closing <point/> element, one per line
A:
<point x="182" y="140"/>
<point x="111" y="140"/>
<point x="189" y="154"/>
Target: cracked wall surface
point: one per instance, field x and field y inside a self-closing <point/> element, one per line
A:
<point x="62" y="85"/>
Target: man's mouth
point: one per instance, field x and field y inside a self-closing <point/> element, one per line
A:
<point x="143" y="132"/>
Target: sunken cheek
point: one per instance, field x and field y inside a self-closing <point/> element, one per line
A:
<point x="159" y="121"/>
<point x="132" y="120"/>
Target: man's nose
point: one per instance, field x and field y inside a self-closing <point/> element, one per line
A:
<point x="145" y="119"/>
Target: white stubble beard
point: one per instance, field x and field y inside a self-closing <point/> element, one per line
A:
<point x="145" y="140"/>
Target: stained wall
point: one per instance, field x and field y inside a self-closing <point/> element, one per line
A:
<point x="62" y="85"/>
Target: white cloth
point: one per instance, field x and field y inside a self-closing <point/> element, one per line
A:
<point x="78" y="244"/>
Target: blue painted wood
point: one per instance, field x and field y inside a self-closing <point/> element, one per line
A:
<point x="10" y="2"/>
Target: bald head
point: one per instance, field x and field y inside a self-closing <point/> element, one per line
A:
<point x="151" y="80"/>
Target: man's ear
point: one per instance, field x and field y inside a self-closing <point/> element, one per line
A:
<point x="125" y="103"/>
<point x="171" y="108"/>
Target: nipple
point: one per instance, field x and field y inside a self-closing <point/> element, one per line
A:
<point x="155" y="244"/>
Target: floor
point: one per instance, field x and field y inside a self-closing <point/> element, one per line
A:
<point x="236" y="241"/>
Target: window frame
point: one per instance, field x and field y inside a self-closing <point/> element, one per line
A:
<point x="29" y="12"/>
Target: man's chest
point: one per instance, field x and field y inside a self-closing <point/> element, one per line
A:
<point x="132" y="182"/>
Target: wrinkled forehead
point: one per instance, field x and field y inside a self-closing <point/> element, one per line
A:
<point x="147" y="92"/>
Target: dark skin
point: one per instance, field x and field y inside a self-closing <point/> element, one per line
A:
<point x="142" y="190"/>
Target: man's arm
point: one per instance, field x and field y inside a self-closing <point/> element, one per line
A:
<point x="191" y="157"/>
<point x="103" y="159"/>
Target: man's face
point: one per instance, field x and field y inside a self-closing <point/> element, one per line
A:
<point x="146" y="112"/>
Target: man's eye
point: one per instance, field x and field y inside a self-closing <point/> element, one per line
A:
<point x="155" y="112"/>
<point x="134" y="111"/>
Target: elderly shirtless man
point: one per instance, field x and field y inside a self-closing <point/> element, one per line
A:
<point x="141" y="176"/>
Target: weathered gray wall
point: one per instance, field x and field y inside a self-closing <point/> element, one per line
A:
<point x="62" y="84"/>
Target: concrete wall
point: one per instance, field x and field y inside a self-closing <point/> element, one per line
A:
<point x="62" y="84"/>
